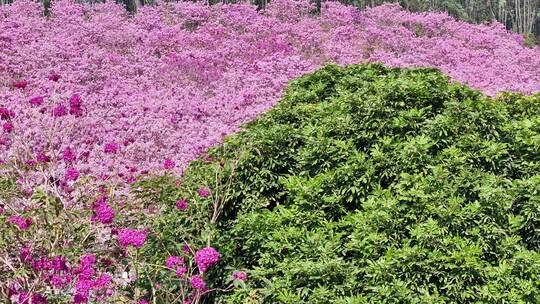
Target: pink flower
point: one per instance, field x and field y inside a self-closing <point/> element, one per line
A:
<point x="79" y="298"/>
<point x="21" y="222"/>
<point x="68" y="155"/>
<point x="111" y="148"/>
<point x="30" y="162"/>
<point x="103" y="281"/>
<point x="181" y="271"/>
<point x="169" y="164"/>
<point x="186" y="249"/>
<point x="181" y="204"/>
<point x="203" y="192"/>
<point x="59" y="110"/>
<point x="239" y="276"/>
<point x="197" y="282"/>
<point x="71" y="174"/>
<point x="6" y="113"/>
<point x="58" y="281"/>
<point x="59" y="263"/>
<point x="103" y="213"/>
<point x="25" y="254"/>
<point x="37" y="101"/>
<point x="35" y="298"/>
<point x="75" y="105"/>
<point x="87" y="260"/>
<point x="206" y="257"/>
<point x="54" y="77"/>
<point x="135" y="238"/>
<point x="143" y="302"/>
<point x="43" y="158"/>
<point x="21" y="84"/>
<point x="8" y="127"/>
<point x="173" y="261"/>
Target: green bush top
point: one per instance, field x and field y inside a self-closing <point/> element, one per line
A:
<point x="368" y="184"/>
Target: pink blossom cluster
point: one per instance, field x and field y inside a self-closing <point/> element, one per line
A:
<point x="132" y="237"/>
<point x="206" y="257"/>
<point x="22" y="222"/>
<point x="103" y="212"/>
<point x="84" y="281"/>
<point x="177" y="262"/>
<point x="104" y="94"/>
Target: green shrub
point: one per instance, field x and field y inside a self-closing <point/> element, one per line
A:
<point x="368" y="184"/>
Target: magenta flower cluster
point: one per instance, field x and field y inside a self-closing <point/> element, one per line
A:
<point x="131" y="237"/>
<point x="177" y="262"/>
<point x="83" y="279"/>
<point x="206" y="257"/>
<point x="239" y="276"/>
<point x="203" y="192"/>
<point x="181" y="204"/>
<point x="22" y="222"/>
<point x="103" y="212"/>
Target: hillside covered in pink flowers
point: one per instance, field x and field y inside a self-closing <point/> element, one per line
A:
<point x="108" y="94"/>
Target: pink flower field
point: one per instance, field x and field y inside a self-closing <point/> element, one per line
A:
<point x="125" y="94"/>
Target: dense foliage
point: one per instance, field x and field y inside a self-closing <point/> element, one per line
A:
<point x="368" y="184"/>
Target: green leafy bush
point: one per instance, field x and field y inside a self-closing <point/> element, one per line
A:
<point x="368" y="184"/>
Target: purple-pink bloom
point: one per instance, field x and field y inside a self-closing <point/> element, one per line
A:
<point x="54" y="77"/>
<point x="25" y="254"/>
<point x="173" y="261"/>
<point x="30" y="162"/>
<point x="75" y="105"/>
<point x="203" y="192"/>
<point x="6" y="113"/>
<point x="206" y="257"/>
<point x="7" y="127"/>
<point x="186" y="249"/>
<point x="87" y="260"/>
<point x="181" y="271"/>
<point x="135" y="238"/>
<point x="59" y="110"/>
<point x="103" y="212"/>
<point x="59" y="263"/>
<point x="71" y="174"/>
<point x="103" y="281"/>
<point x="37" y="101"/>
<point x="43" y="158"/>
<point x="35" y="298"/>
<point x="197" y="282"/>
<point x="68" y="155"/>
<point x="80" y="298"/>
<point x="111" y="148"/>
<point x="181" y="204"/>
<point x="21" y="222"/>
<point x="239" y="276"/>
<point x="169" y="164"/>
<point x="58" y="281"/>
<point x="20" y="84"/>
